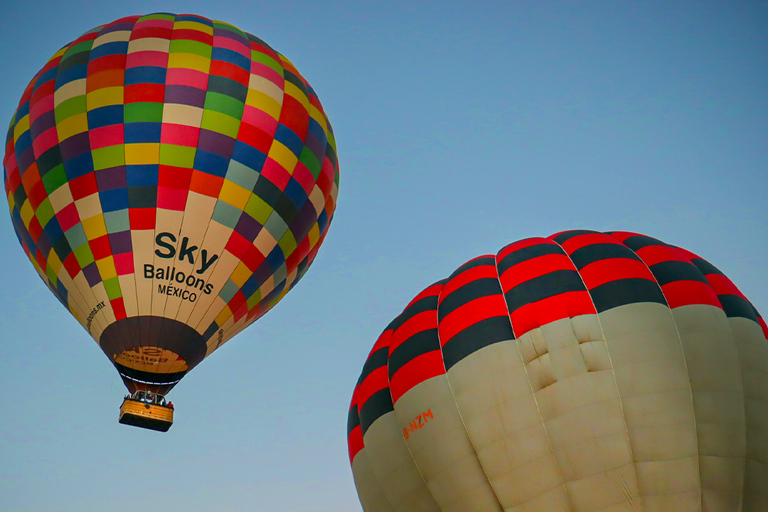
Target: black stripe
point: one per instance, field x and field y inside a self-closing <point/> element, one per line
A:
<point x="626" y="291"/>
<point x="418" y="344"/>
<point x="353" y="420"/>
<point x="379" y="404"/>
<point x="477" y="262"/>
<point x="637" y="242"/>
<point x="418" y="307"/>
<point x="375" y="361"/>
<point x="476" y="289"/>
<point x="543" y="287"/>
<point x="156" y="379"/>
<point x="667" y="272"/>
<point x="526" y="254"/>
<point x="735" y="306"/>
<point x="476" y="336"/>
<point x="567" y="235"/>
<point x="706" y="267"/>
<point x="583" y="256"/>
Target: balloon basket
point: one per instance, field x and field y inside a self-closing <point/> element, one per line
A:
<point x="143" y="410"/>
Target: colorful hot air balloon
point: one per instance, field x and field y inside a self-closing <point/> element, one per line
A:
<point x="585" y="371"/>
<point x="171" y="178"/>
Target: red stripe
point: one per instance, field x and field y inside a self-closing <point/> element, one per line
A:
<point x="685" y="293"/>
<point x="577" y="242"/>
<point x="557" y="307"/>
<point x="431" y="291"/>
<point x="470" y="313"/>
<point x="471" y="274"/>
<point x="377" y="380"/>
<point x="530" y="269"/>
<point x="355" y="442"/>
<point x="614" y="269"/>
<point x="416" y="371"/>
<point x="654" y="254"/>
<point x="416" y="324"/>
<point x="723" y="286"/>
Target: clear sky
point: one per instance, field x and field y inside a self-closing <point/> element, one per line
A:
<point x="461" y="127"/>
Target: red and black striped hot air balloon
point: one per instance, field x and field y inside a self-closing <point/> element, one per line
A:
<point x="584" y="371"/>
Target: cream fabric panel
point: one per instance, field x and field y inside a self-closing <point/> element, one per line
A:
<point x="394" y="469"/>
<point x="652" y="378"/>
<point x="502" y="419"/>
<point x="718" y="401"/>
<point x="582" y="413"/>
<point x="369" y="489"/>
<point x="753" y="354"/>
<point x="439" y="445"/>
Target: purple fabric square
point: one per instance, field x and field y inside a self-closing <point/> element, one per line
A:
<point x="120" y="242"/>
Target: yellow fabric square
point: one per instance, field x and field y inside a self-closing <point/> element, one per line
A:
<point x="189" y="61"/>
<point x="145" y="153"/>
<point x="94" y="227"/>
<point x="263" y="102"/>
<point x="22" y="125"/>
<point x="225" y="315"/>
<point x="314" y="235"/>
<point x="106" y="268"/>
<point x="234" y="194"/>
<point x="282" y="155"/>
<point x="72" y="125"/>
<point x="54" y="263"/>
<point x="297" y="94"/>
<point x="26" y="212"/>
<point x="241" y="274"/>
<point x="104" y="97"/>
<point x="193" y="25"/>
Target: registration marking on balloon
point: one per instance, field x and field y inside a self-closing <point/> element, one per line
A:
<point x="418" y="422"/>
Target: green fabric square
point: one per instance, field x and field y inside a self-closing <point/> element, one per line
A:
<point x="110" y="156"/>
<point x="112" y="286"/>
<point x="309" y="159"/>
<point x="143" y="112"/>
<point x="70" y="107"/>
<point x="258" y="209"/>
<point x="44" y="212"/>
<point x="189" y="46"/>
<point x="177" y="156"/>
<point x="219" y="102"/>
<point x="220" y="123"/>
<point x="83" y="255"/>
<point x="54" y="178"/>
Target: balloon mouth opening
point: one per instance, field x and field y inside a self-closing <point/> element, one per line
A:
<point x="152" y="353"/>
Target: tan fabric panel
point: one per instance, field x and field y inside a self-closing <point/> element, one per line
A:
<point x="399" y="480"/>
<point x="438" y="442"/>
<point x="652" y="379"/>
<point x="583" y="416"/>
<point x="369" y="489"/>
<point x="718" y="401"/>
<point x="753" y="354"/>
<point x="502" y="419"/>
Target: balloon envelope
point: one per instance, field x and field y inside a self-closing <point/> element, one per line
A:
<point x="584" y="371"/>
<point x="171" y="178"/>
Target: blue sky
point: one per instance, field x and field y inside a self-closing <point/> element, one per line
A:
<point x="461" y="127"/>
